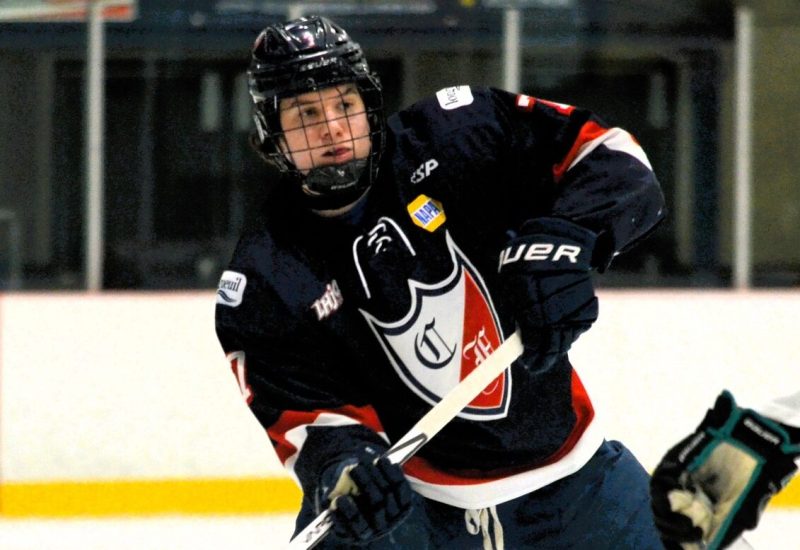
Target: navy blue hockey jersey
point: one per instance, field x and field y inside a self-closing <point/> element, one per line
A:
<point x="344" y="331"/>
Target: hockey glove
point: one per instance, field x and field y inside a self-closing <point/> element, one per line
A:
<point x="715" y="483"/>
<point x="368" y="499"/>
<point x="545" y="273"/>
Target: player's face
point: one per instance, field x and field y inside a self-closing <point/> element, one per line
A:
<point x="325" y="127"/>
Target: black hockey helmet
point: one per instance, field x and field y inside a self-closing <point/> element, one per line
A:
<point x="306" y="55"/>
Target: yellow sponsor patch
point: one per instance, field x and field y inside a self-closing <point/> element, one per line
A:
<point x="426" y="212"/>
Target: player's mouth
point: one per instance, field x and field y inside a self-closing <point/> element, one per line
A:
<point x="338" y="155"/>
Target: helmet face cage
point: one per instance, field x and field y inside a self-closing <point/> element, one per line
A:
<point x="315" y="58"/>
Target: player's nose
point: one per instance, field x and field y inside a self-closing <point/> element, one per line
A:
<point x="335" y="125"/>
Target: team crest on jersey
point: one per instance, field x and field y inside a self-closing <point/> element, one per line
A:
<point x="450" y="327"/>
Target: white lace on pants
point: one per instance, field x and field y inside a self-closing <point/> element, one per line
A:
<point x="478" y="521"/>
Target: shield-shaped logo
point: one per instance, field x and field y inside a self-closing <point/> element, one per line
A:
<point x="450" y="327"/>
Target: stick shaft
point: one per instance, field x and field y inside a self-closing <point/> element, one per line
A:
<point x="428" y="426"/>
<point x="456" y="399"/>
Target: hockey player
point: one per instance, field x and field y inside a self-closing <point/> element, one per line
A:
<point x="715" y="483"/>
<point x="391" y="257"/>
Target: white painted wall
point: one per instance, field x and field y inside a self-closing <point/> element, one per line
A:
<point x="135" y="385"/>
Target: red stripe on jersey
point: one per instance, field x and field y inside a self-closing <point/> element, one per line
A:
<point x="589" y="131"/>
<point x="584" y="412"/>
<point x="290" y="420"/>
<point x="562" y="108"/>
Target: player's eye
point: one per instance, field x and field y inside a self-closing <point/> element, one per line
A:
<point x="309" y="112"/>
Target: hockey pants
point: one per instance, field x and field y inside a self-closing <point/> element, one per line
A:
<point x="603" y="506"/>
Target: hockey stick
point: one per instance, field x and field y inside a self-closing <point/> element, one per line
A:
<point x="427" y="426"/>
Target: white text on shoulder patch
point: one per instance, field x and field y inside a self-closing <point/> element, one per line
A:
<point x="426" y="213"/>
<point x="454" y="97"/>
<point x="231" y="288"/>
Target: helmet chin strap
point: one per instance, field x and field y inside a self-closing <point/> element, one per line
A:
<point x="335" y="186"/>
<point x="334" y="179"/>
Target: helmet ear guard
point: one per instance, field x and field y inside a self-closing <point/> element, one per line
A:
<point x="306" y="55"/>
<point x="265" y="140"/>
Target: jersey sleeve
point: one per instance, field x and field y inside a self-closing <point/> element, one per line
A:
<point x="537" y="158"/>
<point x="584" y="170"/>
<point x="294" y="379"/>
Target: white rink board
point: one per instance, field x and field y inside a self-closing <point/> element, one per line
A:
<point x="135" y="385"/>
<point x="655" y="361"/>
<point x="117" y="386"/>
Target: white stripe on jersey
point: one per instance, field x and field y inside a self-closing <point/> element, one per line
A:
<point x="615" y="139"/>
<point x="491" y="493"/>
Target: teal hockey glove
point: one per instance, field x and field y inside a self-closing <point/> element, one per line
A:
<point x="715" y="483"/>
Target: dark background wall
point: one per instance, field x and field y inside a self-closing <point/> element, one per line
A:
<point x="180" y="179"/>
